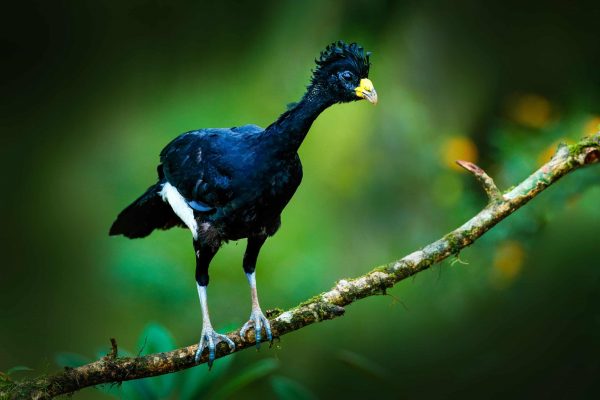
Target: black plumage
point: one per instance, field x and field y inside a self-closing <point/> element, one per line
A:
<point x="229" y="184"/>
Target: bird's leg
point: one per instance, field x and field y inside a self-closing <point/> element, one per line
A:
<point x="257" y="318"/>
<point x="208" y="338"/>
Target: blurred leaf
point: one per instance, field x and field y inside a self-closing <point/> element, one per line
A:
<point x="363" y="364"/>
<point x="18" y="368"/>
<point x="155" y="338"/>
<point x="131" y="390"/>
<point x="197" y="381"/>
<point x="138" y="389"/>
<point x="71" y="360"/>
<point x="289" y="389"/>
<point x="248" y="375"/>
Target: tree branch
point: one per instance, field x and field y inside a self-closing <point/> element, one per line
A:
<point x="330" y="304"/>
<point x="488" y="183"/>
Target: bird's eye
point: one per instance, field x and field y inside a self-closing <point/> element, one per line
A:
<point x="346" y="76"/>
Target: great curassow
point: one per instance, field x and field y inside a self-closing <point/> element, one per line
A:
<point x="233" y="183"/>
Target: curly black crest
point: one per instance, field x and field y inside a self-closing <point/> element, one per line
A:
<point x="352" y="53"/>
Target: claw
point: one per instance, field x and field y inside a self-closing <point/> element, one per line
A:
<point x="258" y="321"/>
<point x="210" y="339"/>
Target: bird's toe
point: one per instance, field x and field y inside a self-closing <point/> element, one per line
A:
<point x="211" y="351"/>
<point x="258" y="321"/>
<point x="210" y="339"/>
<point x="229" y="342"/>
<point x="267" y="326"/>
<point x="257" y="330"/>
<point x="201" y="346"/>
<point x="244" y="330"/>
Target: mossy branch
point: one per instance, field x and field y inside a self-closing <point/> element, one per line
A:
<point x="330" y="304"/>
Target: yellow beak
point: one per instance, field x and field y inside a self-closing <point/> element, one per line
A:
<point x="366" y="91"/>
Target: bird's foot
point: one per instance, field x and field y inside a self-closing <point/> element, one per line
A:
<point x="210" y="339"/>
<point x="258" y="321"/>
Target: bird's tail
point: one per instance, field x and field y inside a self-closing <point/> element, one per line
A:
<point x="147" y="213"/>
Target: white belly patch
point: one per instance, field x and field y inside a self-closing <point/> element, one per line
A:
<point x="180" y="207"/>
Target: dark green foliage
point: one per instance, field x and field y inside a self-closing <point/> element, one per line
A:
<point x="364" y="365"/>
<point x="253" y="372"/>
<point x="289" y="389"/>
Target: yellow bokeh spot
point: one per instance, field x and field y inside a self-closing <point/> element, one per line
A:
<point x="531" y="110"/>
<point x="458" y="148"/>
<point x="592" y="126"/>
<point x="508" y="262"/>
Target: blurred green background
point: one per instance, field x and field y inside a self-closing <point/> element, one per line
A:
<point x="92" y="91"/>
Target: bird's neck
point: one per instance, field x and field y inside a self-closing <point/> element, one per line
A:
<point x="291" y="127"/>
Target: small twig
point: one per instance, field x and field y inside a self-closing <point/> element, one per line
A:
<point x="492" y="191"/>
<point x="457" y="259"/>
<point x="113" y="349"/>
<point x="143" y="346"/>
<point x="330" y="304"/>
<point x="396" y="299"/>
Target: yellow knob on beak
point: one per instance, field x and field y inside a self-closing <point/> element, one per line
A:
<point x="366" y="91"/>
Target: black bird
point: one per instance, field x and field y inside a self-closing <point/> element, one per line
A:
<point x="233" y="183"/>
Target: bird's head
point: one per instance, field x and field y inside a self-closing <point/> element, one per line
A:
<point x="343" y="71"/>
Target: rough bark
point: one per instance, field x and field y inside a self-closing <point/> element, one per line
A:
<point x="330" y="304"/>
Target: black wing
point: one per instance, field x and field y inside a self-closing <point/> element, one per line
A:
<point x="200" y="164"/>
<point x="147" y="213"/>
